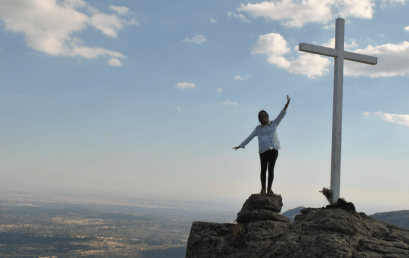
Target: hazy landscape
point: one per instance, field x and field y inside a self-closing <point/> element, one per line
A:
<point x="52" y="225"/>
<point x="62" y="225"/>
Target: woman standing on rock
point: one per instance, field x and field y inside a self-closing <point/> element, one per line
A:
<point x="268" y="145"/>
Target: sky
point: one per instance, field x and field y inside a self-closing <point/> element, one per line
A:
<point x="148" y="98"/>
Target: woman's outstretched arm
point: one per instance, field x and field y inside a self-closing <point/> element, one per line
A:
<point x="282" y="113"/>
<point x="251" y="136"/>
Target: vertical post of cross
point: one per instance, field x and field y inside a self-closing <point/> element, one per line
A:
<point x="337" y="110"/>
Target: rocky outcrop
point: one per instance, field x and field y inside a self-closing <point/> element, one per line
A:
<point x="317" y="232"/>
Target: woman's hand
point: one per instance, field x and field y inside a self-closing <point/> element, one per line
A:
<point x="236" y="147"/>
<point x="288" y="102"/>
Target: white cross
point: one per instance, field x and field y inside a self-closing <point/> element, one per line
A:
<point x="339" y="55"/>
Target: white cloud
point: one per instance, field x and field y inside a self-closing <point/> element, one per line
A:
<point x="407" y="28"/>
<point x="310" y="64"/>
<point x="197" y="39"/>
<point x="108" y="24"/>
<point x="70" y="3"/>
<point x="239" y="77"/>
<point x="179" y="109"/>
<point x="48" y="26"/>
<point x="86" y="51"/>
<point x="384" y="3"/>
<point x="212" y="20"/>
<point x="391" y="118"/>
<point x="120" y="9"/>
<point x="271" y="44"/>
<point x="366" y="114"/>
<point x="297" y="13"/>
<point x="349" y="46"/>
<point x="394" y="1"/>
<point x="114" y="62"/>
<point x="355" y="8"/>
<point x="331" y="26"/>
<point x="331" y="44"/>
<point x="275" y="47"/>
<point x="228" y="102"/>
<point x="238" y="16"/>
<point x="392" y="61"/>
<point x="219" y="90"/>
<point x="185" y="85"/>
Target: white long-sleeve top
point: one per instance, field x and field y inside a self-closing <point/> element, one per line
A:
<point x="267" y="135"/>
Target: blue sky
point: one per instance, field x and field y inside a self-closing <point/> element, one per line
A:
<point x="150" y="97"/>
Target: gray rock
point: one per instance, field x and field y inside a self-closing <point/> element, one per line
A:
<point x="316" y="232"/>
<point x="263" y="201"/>
<point x="255" y="215"/>
<point x="261" y="207"/>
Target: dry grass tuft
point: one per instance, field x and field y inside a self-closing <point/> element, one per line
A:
<point x="327" y="193"/>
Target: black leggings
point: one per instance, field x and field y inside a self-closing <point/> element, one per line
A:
<point x="269" y="156"/>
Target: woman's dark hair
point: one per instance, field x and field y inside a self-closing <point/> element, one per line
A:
<point x="259" y="114"/>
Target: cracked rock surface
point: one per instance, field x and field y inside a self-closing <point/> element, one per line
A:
<point x="318" y="232"/>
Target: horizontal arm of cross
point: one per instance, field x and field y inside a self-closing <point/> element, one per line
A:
<point x="325" y="51"/>
<point x="360" y="58"/>
<point x="314" y="49"/>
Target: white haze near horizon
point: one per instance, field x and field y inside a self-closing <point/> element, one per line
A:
<point x="218" y="204"/>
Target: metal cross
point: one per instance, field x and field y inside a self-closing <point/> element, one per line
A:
<point x="339" y="54"/>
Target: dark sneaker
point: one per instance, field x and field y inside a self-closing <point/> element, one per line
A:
<point x="263" y="191"/>
<point x="271" y="192"/>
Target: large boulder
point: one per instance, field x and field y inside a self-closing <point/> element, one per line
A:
<point x="262" y="207"/>
<point x="316" y="232"/>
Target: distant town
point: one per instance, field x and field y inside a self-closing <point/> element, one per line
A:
<point x="46" y="225"/>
